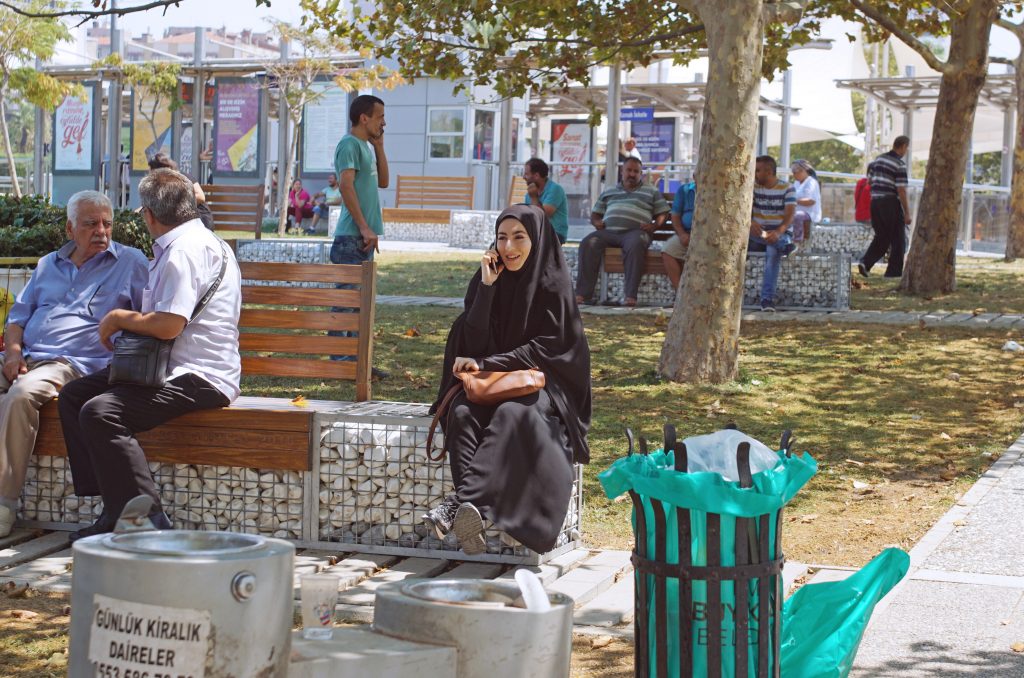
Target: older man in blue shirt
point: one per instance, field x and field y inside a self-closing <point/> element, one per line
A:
<point x="52" y="333"/>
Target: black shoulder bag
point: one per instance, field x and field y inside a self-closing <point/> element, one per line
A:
<point x="142" y="360"/>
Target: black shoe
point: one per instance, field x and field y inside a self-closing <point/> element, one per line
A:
<point x="378" y="375"/>
<point x="469" y="528"/>
<point x="104" y="524"/>
<point x="862" y="269"/>
<point x="767" y="306"/>
<point x="160" y="520"/>
<point x="442" y="516"/>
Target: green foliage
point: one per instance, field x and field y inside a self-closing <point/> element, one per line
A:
<point x="829" y="155"/>
<point x="523" y="45"/>
<point x="988" y="168"/>
<point x="31" y="227"/>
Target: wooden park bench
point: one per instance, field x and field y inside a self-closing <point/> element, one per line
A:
<point x="517" y="191"/>
<point x="236" y="208"/>
<point x="612" y="262"/>
<point x="430" y="200"/>
<point x="282" y="334"/>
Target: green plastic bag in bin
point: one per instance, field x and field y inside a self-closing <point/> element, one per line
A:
<point x="653" y="476"/>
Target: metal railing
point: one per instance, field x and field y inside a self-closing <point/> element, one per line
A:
<point x="984" y="210"/>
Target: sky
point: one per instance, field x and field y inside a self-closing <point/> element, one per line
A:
<point x="235" y="15"/>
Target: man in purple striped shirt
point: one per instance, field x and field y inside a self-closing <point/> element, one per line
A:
<point x="52" y="333"/>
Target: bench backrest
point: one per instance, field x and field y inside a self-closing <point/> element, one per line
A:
<point x="517" y="191"/>
<point x="451" y="192"/>
<point x="235" y="208"/>
<point x="283" y="327"/>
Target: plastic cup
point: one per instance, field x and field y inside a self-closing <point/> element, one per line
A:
<point x="319" y="598"/>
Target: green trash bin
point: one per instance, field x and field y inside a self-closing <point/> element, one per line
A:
<point x="714" y="608"/>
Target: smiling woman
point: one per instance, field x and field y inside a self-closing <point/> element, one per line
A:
<point x="512" y="463"/>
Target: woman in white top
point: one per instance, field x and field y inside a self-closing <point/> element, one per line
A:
<point x="808" y="198"/>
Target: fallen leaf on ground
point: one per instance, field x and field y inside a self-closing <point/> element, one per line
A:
<point x="600" y="641"/>
<point x="948" y="474"/>
<point x="57" y="659"/>
<point x="959" y="523"/>
<point x="809" y="518"/>
<point x="867" y="521"/>
<point x="953" y="376"/>
<point x="945" y="436"/>
<point x="1017" y="647"/>
<point x="861" y="485"/>
<point x="854" y="462"/>
<point x="909" y="497"/>
<point x="412" y="332"/>
<point x="24" y="614"/>
<point x="300" y="401"/>
<point x="22" y="591"/>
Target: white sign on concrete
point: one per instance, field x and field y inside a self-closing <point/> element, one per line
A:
<point x="135" y="640"/>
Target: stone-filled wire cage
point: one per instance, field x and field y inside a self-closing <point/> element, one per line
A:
<point x="376" y="482"/>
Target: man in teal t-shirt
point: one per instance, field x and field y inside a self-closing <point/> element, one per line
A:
<point x="362" y="169"/>
<point x="540" y="190"/>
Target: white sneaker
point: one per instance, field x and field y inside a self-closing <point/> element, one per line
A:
<point x="7" y="518"/>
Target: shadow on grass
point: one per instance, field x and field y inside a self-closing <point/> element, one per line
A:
<point x="28" y="644"/>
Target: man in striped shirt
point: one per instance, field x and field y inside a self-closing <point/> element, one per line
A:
<point x="774" y="208"/>
<point x="890" y="210"/>
<point x="625" y="216"/>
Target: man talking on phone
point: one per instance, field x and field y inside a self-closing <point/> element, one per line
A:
<point x="541" y="190"/>
<point x="362" y="169"/>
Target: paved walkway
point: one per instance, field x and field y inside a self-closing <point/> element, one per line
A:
<point x="960" y="609"/>
<point x="939" y="317"/>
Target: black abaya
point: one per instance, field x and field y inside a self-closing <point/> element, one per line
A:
<point x="514" y="461"/>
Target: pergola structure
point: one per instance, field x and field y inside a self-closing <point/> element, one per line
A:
<point x="910" y="94"/>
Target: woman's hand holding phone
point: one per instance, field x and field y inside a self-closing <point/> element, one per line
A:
<point x="490" y="267"/>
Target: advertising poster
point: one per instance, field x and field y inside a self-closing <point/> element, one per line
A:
<point x="324" y="123"/>
<point x="236" y="124"/>
<point x="73" y="133"/>
<point x="151" y="128"/>
<point x="570" y="143"/>
<point x="655" y="139"/>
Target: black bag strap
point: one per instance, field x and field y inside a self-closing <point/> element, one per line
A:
<point x="213" y="288"/>
<point x="441" y="410"/>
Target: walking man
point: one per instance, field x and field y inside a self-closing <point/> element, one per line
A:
<point x="890" y="210"/>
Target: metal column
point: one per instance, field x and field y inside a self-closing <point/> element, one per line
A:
<point x="611" y="166"/>
<point x="38" y="168"/>
<point x="282" y="135"/>
<point x="114" y="119"/>
<point x="787" y="100"/>
<point x="504" y="155"/>
<point x="1009" y="142"/>
<point x="198" y="102"/>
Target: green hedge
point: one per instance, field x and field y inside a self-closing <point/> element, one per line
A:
<point x="31" y="227"/>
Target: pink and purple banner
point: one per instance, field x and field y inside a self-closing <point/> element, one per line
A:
<point x="236" y="123"/>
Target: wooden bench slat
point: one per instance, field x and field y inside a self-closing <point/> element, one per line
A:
<point x="613" y="261"/>
<point x="298" y="296"/>
<point x="324" y="273"/>
<point x="236" y="207"/>
<point x="299" y="343"/>
<point x="414" y="216"/>
<point x="421" y="191"/>
<point x="296" y="367"/>
<point x="295" y="320"/>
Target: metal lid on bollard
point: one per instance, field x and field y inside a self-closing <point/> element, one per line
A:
<point x="184" y="543"/>
<point x="474" y="593"/>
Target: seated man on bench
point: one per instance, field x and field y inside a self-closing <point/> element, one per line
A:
<point x="100" y="420"/>
<point x="774" y="208"/>
<point x="51" y="330"/>
<point x="675" y="249"/>
<point x="625" y="216"/>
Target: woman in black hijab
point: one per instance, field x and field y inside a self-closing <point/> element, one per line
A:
<point x="512" y="463"/>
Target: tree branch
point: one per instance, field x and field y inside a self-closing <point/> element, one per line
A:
<point x="86" y="14"/>
<point x="1002" y="60"/>
<point x="1016" y="29"/>
<point x="890" y="24"/>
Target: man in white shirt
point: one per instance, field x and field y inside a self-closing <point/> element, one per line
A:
<point x="100" y="420"/>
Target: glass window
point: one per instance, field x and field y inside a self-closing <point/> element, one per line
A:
<point x="446" y="132"/>
<point x="483" y="136"/>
